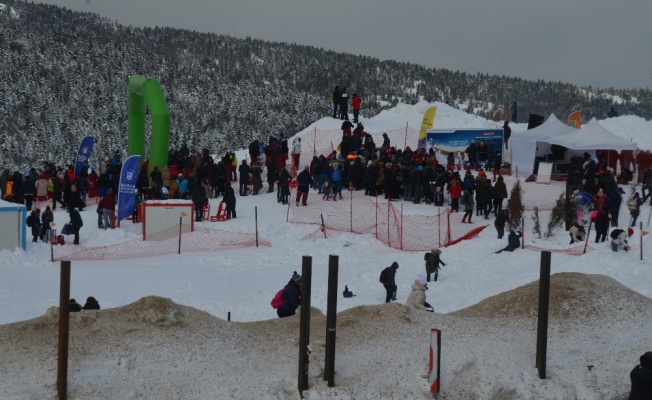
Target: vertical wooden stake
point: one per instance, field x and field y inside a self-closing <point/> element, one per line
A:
<point x="64" y="329"/>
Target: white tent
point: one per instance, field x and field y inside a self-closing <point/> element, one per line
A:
<point x="13" y="219"/>
<point x="526" y="145"/>
<point x="592" y="136"/>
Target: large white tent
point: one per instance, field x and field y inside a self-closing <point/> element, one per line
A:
<point x="526" y="145"/>
<point x="12" y="225"/>
<point x="592" y="136"/>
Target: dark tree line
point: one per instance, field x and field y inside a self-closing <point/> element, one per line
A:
<point x="66" y="74"/>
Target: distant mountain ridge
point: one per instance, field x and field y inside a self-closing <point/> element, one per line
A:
<point x="66" y="76"/>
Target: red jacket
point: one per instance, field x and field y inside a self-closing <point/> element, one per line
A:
<point x="456" y="190"/>
<point x="108" y="202"/>
<point x="355" y="102"/>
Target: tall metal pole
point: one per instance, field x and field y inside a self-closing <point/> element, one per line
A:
<point x="331" y="319"/>
<point x="304" y="324"/>
<point x="64" y="329"/>
<point x="542" y="325"/>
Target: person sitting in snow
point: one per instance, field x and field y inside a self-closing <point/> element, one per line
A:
<point x="91" y="304"/>
<point x="347" y="293"/>
<point x="417" y="298"/>
<point x="513" y="241"/>
<point x="619" y="239"/>
<point x="575" y="233"/>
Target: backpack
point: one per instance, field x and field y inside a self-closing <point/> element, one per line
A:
<point x="614" y="234"/>
<point x="587" y="198"/>
<point x="383" y="276"/>
<point x="29" y="221"/>
<point x="278" y="301"/>
<point x="425" y="256"/>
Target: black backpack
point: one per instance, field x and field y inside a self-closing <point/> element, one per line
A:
<point x="383" y="276"/>
<point x="425" y="256"/>
<point x="29" y="221"/>
<point x="614" y="234"/>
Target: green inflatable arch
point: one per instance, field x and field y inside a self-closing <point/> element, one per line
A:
<point x="145" y="91"/>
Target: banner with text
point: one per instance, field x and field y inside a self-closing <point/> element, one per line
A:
<point x="83" y="153"/>
<point x="127" y="187"/>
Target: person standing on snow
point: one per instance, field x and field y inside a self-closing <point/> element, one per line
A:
<point x="355" y="105"/>
<point x="641" y="377"/>
<point x="344" y="105"/>
<point x="336" y="95"/>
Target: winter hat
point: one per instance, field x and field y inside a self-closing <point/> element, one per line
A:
<point x="481" y="172"/>
<point x="630" y="231"/>
<point x="436" y="251"/>
<point x="296" y="277"/>
<point x="600" y="192"/>
<point x="422" y="280"/>
<point x="420" y="167"/>
<point x="394" y="265"/>
<point x="636" y="196"/>
<point x="180" y="176"/>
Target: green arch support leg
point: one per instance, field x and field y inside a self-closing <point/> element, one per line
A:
<point x="145" y="91"/>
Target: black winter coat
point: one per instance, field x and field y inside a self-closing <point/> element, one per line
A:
<point x="641" y="377"/>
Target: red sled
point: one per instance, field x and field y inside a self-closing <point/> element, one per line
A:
<point x="221" y="213"/>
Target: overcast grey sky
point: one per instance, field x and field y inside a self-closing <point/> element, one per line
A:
<point x="585" y="42"/>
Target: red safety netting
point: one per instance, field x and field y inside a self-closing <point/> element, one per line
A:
<point x="165" y="242"/>
<point x="386" y="221"/>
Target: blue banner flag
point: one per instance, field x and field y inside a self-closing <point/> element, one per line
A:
<point x="84" y="152"/>
<point x="127" y="187"/>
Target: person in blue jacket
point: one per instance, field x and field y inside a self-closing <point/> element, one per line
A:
<point x="291" y="296"/>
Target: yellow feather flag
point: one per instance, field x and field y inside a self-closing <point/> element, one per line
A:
<point x="575" y="120"/>
<point x="427" y="123"/>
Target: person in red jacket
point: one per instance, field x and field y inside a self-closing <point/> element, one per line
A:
<point x="355" y="105"/>
<point x="456" y="192"/>
<point x="108" y="207"/>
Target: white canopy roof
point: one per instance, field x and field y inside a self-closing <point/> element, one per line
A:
<point x="552" y="127"/>
<point x="592" y="136"/>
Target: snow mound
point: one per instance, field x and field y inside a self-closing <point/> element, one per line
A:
<point x="572" y="296"/>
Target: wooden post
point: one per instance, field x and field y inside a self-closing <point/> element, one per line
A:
<point x="64" y="329"/>
<point x="323" y="226"/>
<point x="304" y="324"/>
<point x="331" y="319"/>
<point x="542" y="325"/>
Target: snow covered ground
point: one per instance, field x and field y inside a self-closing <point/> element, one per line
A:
<point x="183" y="348"/>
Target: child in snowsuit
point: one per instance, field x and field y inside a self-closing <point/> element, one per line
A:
<point x="513" y="241"/>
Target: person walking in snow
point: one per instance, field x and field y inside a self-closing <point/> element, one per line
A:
<point x="468" y="203"/>
<point x="501" y="220"/>
<point x="229" y="200"/>
<point x="387" y="278"/>
<point x="433" y="263"/>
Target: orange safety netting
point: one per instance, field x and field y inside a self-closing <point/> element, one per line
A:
<point x="166" y="242"/>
